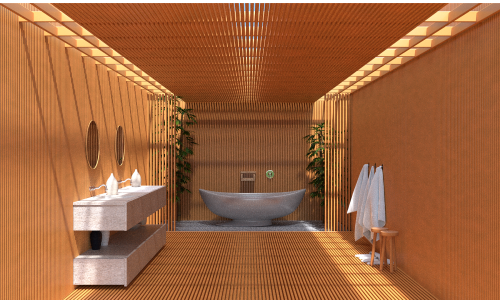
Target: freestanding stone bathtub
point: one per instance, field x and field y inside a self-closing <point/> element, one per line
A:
<point x="252" y="209"/>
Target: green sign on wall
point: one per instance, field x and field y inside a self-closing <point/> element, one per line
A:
<point x="270" y="174"/>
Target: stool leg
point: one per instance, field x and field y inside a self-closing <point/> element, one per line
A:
<point x="373" y="248"/>
<point x="382" y="252"/>
<point x="392" y="253"/>
<point x="395" y="266"/>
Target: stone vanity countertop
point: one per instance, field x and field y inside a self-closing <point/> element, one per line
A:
<point x="124" y="196"/>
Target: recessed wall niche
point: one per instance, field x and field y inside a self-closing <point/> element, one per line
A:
<point x="120" y="145"/>
<point x="92" y="145"/>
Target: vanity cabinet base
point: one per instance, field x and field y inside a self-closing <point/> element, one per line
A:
<point x="119" y="263"/>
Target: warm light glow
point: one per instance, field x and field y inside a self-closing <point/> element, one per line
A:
<point x="55" y="23"/>
<point x="445" y="24"/>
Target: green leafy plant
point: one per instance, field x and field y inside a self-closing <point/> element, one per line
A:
<point x="316" y="152"/>
<point x="184" y="145"/>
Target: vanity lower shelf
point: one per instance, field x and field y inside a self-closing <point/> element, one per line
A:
<point x="127" y="253"/>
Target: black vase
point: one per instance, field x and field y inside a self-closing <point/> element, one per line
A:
<point x="95" y="240"/>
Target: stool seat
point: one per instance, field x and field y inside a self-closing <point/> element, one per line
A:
<point x="376" y="230"/>
<point x="389" y="233"/>
<point x="379" y="229"/>
<point x="388" y="236"/>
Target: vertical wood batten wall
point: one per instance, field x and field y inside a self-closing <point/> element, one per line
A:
<point x="48" y="95"/>
<point x="337" y="162"/>
<point x="162" y="155"/>
<point x="257" y="137"/>
<point x="434" y="124"/>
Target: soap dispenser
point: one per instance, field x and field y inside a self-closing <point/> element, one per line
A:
<point x="136" y="179"/>
<point x="112" y="185"/>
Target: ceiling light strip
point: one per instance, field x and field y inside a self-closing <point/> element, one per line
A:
<point x="416" y="42"/>
<point x="103" y="54"/>
<point x="75" y="36"/>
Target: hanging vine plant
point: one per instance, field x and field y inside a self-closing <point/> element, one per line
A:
<point x="184" y="148"/>
<point x="316" y="152"/>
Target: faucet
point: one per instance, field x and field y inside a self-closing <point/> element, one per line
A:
<point x="92" y="188"/>
<point x="122" y="181"/>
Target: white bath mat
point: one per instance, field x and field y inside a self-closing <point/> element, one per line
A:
<point x="367" y="257"/>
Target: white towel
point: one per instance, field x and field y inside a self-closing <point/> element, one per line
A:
<point x="366" y="258"/>
<point x="358" y="190"/>
<point x="381" y="200"/>
<point x="359" y="229"/>
<point x="374" y="214"/>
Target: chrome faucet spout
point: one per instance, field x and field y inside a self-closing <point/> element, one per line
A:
<point x="122" y="181"/>
<point x="92" y="188"/>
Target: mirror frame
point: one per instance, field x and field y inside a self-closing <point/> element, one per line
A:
<point x="87" y="145"/>
<point x="116" y="145"/>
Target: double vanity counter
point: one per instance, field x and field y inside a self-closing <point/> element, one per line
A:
<point x="130" y="249"/>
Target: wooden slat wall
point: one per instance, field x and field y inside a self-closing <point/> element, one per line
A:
<point x="162" y="124"/>
<point x="434" y="125"/>
<point x="48" y="96"/>
<point x="337" y="154"/>
<point x="250" y="137"/>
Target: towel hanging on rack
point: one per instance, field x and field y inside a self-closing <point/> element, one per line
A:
<point x="359" y="229"/>
<point x="374" y="214"/>
<point x="358" y="190"/>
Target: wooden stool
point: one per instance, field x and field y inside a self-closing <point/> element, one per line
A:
<point x="376" y="230"/>
<point x="388" y="235"/>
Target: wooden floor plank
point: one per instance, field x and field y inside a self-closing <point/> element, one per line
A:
<point x="260" y="265"/>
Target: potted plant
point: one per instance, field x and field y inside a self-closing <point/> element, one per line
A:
<point x="316" y="152"/>
<point x="184" y="142"/>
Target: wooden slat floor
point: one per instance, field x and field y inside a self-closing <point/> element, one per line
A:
<point x="261" y="265"/>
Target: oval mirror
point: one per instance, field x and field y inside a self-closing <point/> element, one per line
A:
<point x="120" y="145"/>
<point x="92" y="145"/>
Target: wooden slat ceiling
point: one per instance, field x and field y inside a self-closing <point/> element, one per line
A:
<point x="249" y="52"/>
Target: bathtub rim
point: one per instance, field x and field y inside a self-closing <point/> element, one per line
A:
<point x="234" y="213"/>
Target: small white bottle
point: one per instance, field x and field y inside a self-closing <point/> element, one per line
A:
<point x="112" y="185"/>
<point x="136" y="179"/>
